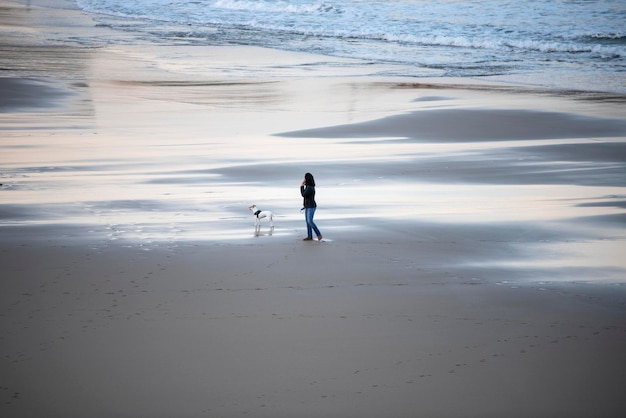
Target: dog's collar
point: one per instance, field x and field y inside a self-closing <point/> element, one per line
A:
<point x="257" y="213"/>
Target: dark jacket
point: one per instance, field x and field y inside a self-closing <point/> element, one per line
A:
<point x="308" y="192"/>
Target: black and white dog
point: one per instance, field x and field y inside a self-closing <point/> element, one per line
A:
<point x="260" y="214"/>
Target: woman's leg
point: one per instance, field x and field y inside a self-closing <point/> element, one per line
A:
<point x="310" y="212"/>
<point x="308" y="215"/>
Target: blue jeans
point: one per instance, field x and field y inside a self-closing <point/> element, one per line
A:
<point x="310" y="225"/>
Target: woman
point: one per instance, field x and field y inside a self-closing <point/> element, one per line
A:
<point x="307" y="190"/>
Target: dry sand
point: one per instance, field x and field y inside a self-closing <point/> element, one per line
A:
<point x="472" y="264"/>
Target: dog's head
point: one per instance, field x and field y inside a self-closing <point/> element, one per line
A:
<point x="252" y="208"/>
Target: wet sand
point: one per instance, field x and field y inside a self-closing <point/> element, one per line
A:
<point x="472" y="261"/>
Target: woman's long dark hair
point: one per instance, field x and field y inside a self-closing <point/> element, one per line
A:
<point x="310" y="181"/>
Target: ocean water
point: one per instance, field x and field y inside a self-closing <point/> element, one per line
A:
<point x="561" y="44"/>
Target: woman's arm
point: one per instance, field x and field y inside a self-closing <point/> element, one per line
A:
<point x="306" y="191"/>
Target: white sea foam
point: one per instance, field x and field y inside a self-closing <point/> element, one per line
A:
<point x="275" y="6"/>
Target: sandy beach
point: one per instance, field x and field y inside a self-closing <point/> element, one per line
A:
<point x="473" y="255"/>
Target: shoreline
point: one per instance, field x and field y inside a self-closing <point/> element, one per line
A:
<point x="469" y="267"/>
<point x="102" y="36"/>
<point x="518" y="156"/>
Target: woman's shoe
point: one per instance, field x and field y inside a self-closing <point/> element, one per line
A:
<point x="319" y="237"/>
<point x="308" y="239"/>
